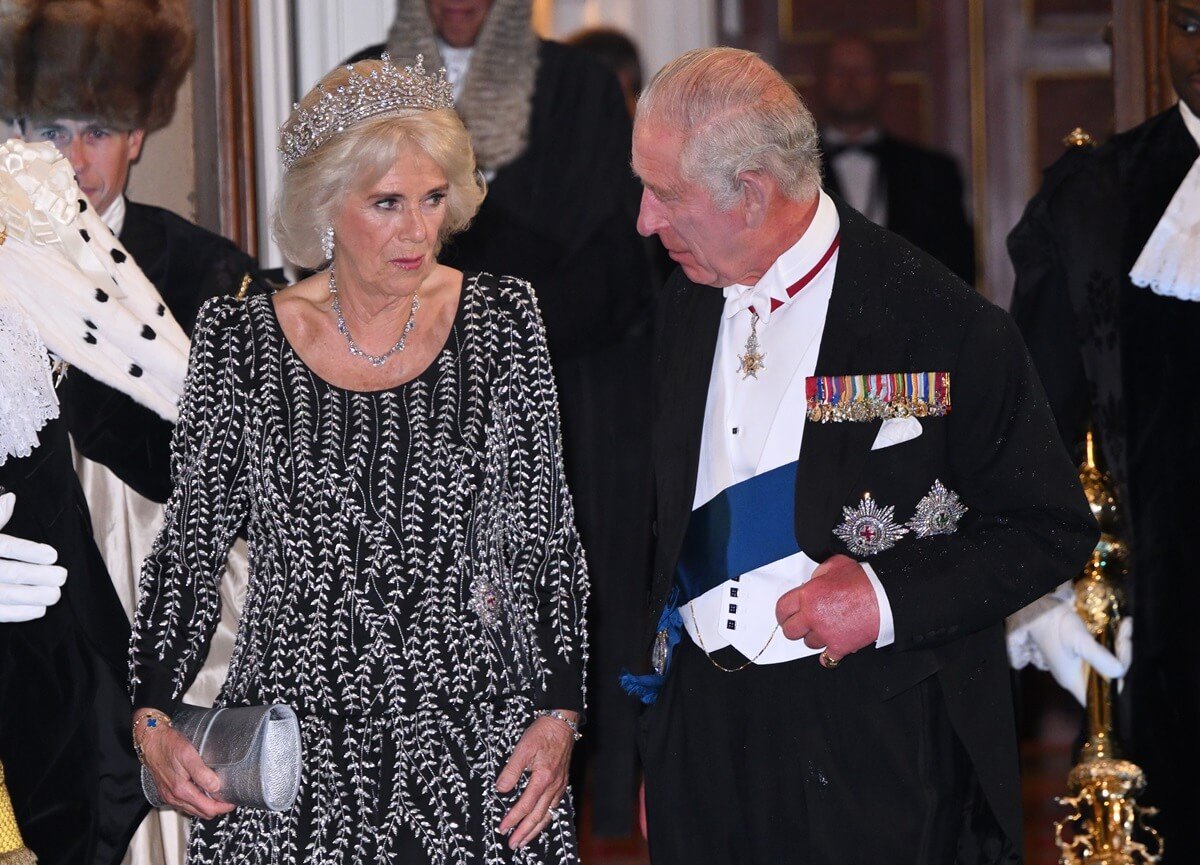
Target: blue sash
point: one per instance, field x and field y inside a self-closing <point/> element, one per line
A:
<point x="746" y="526"/>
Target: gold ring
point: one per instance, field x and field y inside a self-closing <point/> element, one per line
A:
<point x="828" y="661"/>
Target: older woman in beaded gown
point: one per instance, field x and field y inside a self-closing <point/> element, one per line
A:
<point x="385" y="433"/>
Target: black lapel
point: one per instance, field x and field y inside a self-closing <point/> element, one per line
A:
<point x="146" y="240"/>
<point x="689" y="337"/>
<point x="853" y="341"/>
<point x="892" y="181"/>
<point x="1151" y="171"/>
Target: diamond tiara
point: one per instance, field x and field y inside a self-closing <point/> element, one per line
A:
<point x="385" y="90"/>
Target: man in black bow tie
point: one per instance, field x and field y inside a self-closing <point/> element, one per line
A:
<point x="857" y="478"/>
<point x="912" y="190"/>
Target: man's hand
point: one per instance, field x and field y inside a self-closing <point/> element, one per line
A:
<point x="1050" y="635"/>
<point x="29" y="580"/>
<point x="545" y="752"/>
<point x="836" y="609"/>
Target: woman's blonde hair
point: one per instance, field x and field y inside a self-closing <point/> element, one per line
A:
<point x="313" y="188"/>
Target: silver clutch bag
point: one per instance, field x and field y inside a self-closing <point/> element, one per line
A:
<point x="255" y="751"/>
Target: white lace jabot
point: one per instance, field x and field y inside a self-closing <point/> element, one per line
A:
<point x="27" y="398"/>
<point x="1170" y="261"/>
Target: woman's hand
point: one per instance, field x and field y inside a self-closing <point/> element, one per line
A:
<point x="545" y="752"/>
<point x="183" y="781"/>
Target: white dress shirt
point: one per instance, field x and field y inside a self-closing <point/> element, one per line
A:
<point x="754" y="425"/>
<point x="858" y="174"/>
<point x="114" y="216"/>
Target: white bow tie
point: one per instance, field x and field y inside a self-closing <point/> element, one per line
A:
<point x="742" y="297"/>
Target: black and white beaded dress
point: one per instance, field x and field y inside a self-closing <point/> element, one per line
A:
<point x="417" y="587"/>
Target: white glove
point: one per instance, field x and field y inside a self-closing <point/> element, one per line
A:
<point x="1050" y="635"/>
<point x="29" y="580"/>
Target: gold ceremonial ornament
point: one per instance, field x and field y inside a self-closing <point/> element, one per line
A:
<point x="1106" y="825"/>
<point x="1077" y="137"/>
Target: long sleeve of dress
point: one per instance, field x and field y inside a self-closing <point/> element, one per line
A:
<point x="544" y="543"/>
<point x="178" y="602"/>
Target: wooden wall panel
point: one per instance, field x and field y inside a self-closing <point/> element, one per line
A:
<point x="1043" y="13"/>
<point x="808" y="21"/>
<point x="908" y="105"/>
<point x="1059" y="100"/>
<point x="237" y="148"/>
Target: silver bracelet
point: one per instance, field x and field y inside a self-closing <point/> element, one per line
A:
<point x="557" y="715"/>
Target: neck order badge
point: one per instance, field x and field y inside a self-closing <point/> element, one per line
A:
<point x="750" y="362"/>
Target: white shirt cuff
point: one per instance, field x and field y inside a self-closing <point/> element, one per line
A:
<point x="887" y="625"/>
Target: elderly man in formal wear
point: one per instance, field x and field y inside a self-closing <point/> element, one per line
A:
<point x="1108" y="298"/>
<point x="857" y="479"/>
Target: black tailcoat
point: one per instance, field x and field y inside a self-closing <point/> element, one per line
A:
<point x="894" y="309"/>
<point x="1126" y="359"/>
<point x="924" y="201"/>
<point x="187" y="265"/>
<point x="64" y="707"/>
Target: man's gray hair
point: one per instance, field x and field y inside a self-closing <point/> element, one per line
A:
<point x="736" y="113"/>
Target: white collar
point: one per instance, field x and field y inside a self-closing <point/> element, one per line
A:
<point x="114" y="216"/>
<point x="457" y="61"/>
<point x="833" y="135"/>
<point x="1168" y="264"/>
<point x="804" y="255"/>
<point x="1190" y="120"/>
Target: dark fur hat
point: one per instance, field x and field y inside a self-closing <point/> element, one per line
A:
<point x="117" y="61"/>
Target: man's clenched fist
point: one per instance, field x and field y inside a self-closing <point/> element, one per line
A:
<point x="836" y="609"/>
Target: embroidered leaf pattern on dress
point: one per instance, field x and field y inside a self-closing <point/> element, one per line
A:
<point x="370" y="517"/>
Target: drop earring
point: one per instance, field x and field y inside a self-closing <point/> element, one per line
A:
<point x="327" y="243"/>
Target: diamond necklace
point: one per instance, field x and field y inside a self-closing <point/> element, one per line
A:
<point x="372" y="359"/>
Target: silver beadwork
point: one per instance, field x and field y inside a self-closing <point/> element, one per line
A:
<point x="870" y="528"/>
<point x="385" y="91"/>
<point x="327" y="242"/>
<point x="344" y="329"/>
<point x="937" y="513"/>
